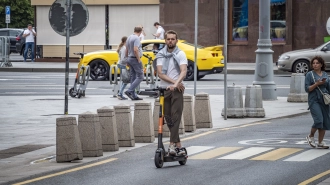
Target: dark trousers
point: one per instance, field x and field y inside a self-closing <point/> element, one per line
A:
<point x="173" y="108"/>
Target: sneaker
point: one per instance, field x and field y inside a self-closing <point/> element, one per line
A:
<point x="180" y="151"/>
<point x="171" y="150"/>
<point x="130" y="95"/>
<point x="137" y="98"/>
<point x="322" y="145"/>
<point x="121" y="97"/>
<point x="310" y="141"/>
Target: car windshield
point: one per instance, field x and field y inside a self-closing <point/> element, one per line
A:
<point x="193" y="45"/>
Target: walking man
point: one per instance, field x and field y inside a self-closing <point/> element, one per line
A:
<point x="172" y="69"/>
<point x="29" y="35"/>
<point x="134" y="53"/>
<point x="160" y="31"/>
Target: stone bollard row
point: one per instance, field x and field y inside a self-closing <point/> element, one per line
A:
<point x="143" y="123"/>
<point x="124" y="125"/>
<point x="68" y="144"/>
<point x="253" y="102"/>
<point x="108" y="129"/>
<point x="203" y="111"/>
<point x="90" y="134"/>
<point x="297" y="88"/>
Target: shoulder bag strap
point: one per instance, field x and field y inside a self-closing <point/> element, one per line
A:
<point x="315" y="82"/>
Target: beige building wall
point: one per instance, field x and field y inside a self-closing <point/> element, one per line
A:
<point x="123" y="19"/>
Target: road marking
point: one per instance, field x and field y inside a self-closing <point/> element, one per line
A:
<point x="198" y="135"/>
<point x="315" y="178"/>
<point x="277" y="154"/>
<point x="243" y="154"/>
<point x="214" y="153"/>
<point x="242" y="126"/>
<point x="308" y="155"/>
<point x="66" y="171"/>
<point x="197" y="149"/>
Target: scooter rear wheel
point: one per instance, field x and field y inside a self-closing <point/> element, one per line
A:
<point x="72" y="93"/>
<point x="184" y="161"/>
<point x="158" y="160"/>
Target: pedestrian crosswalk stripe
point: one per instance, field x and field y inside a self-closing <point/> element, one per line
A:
<point x="214" y="153"/>
<point x="308" y="155"/>
<point x="249" y="152"/>
<point x="196" y="149"/>
<point x="277" y="154"/>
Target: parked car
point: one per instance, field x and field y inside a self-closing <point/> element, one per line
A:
<point x="12" y="33"/>
<point x="210" y="59"/>
<point x="298" y="61"/>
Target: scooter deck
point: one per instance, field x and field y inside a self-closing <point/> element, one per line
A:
<point x="169" y="158"/>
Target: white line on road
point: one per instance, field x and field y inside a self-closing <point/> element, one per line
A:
<point x="308" y="155"/>
<point x="243" y="154"/>
<point x="196" y="149"/>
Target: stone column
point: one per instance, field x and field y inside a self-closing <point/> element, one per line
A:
<point x="253" y="102"/>
<point x="203" y="111"/>
<point x="143" y="125"/>
<point x="188" y="113"/>
<point x="181" y="127"/>
<point x="90" y="134"/>
<point x="107" y="119"/>
<point x="297" y="88"/>
<point x="68" y="145"/>
<point x="235" y="107"/>
<point x="124" y="125"/>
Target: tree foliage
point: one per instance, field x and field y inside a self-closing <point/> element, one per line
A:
<point x="21" y="13"/>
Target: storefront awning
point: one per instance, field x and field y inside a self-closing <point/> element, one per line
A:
<point x="277" y="2"/>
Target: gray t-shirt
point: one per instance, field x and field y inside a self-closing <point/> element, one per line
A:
<point x="132" y="41"/>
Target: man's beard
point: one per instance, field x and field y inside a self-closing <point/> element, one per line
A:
<point x="171" y="47"/>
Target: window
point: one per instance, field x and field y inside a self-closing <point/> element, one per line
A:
<point x="4" y="33"/>
<point x="277" y="20"/>
<point x="239" y="20"/>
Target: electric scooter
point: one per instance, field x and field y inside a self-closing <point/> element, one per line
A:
<point x="161" y="154"/>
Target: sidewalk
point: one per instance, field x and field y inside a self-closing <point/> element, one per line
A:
<point x="232" y="68"/>
<point x="31" y="120"/>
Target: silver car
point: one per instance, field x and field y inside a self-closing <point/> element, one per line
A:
<point x="299" y="61"/>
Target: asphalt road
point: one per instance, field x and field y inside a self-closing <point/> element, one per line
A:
<point x="54" y="84"/>
<point x="271" y="153"/>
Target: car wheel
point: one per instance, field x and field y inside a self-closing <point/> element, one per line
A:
<point x="99" y="69"/>
<point x="190" y="71"/>
<point x="301" y="66"/>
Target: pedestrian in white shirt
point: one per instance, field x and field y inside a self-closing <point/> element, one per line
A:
<point x="160" y="31"/>
<point x="29" y="35"/>
<point x="143" y="34"/>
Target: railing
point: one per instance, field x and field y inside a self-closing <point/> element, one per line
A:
<point x="5" y="51"/>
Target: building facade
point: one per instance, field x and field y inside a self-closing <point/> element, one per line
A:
<point x="295" y="24"/>
<point x="108" y="22"/>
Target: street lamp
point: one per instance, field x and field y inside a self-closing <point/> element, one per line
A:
<point x="264" y="73"/>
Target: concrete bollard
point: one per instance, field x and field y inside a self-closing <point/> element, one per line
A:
<point x="188" y="113"/>
<point x="108" y="129"/>
<point x="297" y="88"/>
<point x="90" y="134"/>
<point x="253" y="101"/>
<point x="143" y="125"/>
<point x="68" y="145"/>
<point x="235" y="107"/>
<point x="166" y="131"/>
<point x="124" y="125"/>
<point x="181" y="127"/>
<point x="203" y="111"/>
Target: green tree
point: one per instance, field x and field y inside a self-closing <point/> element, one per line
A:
<point x="21" y="13"/>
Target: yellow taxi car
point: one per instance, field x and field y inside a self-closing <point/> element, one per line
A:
<point x="209" y="59"/>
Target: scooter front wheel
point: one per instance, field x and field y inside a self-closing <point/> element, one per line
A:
<point x="158" y="160"/>
<point x="72" y="92"/>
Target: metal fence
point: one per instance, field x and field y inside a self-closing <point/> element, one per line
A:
<point x="5" y="51"/>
